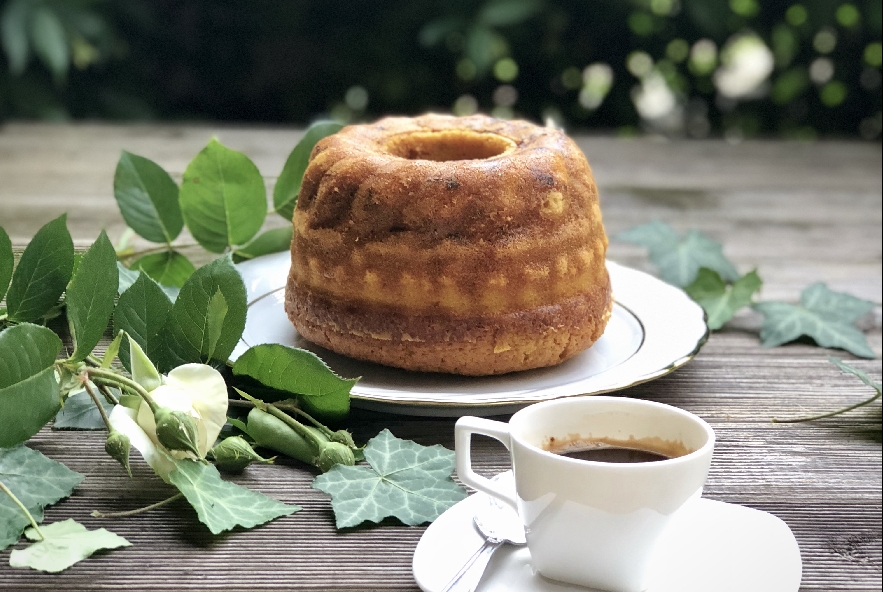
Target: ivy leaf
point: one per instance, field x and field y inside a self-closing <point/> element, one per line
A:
<point x="856" y="372"/>
<point x="142" y="312"/>
<point x="223" y="198"/>
<point x="222" y="505"/>
<point x="189" y="337"/>
<point x="148" y="198"/>
<point x="289" y="181"/>
<point x="169" y="268"/>
<point x="42" y="274"/>
<point x="679" y="259"/>
<point x="90" y="296"/>
<point x="849" y="370"/>
<point x="824" y="315"/>
<point x="405" y="480"/>
<point x="64" y="544"/>
<point x="271" y="241"/>
<point x="720" y="301"/>
<point x="36" y="481"/>
<point x="29" y="394"/>
<point x="837" y="305"/>
<point x="6" y="262"/>
<point x="299" y="372"/>
<point x="80" y="413"/>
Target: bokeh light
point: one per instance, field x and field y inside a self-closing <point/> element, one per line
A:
<point x="687" y="68"/>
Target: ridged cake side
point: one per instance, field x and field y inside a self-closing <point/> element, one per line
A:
<point x="388" y="242"/>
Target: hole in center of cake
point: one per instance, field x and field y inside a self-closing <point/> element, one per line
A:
<point x="447" y="145"/>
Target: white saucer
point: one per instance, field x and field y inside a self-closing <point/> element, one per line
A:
<point x="712" y="547"/>
<point x="654" y="328"/>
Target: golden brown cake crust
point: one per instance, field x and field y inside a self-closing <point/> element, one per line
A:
<point x="544" y="336"/>
<point x="466" y="245"/>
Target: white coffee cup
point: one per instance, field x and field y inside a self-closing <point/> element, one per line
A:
<point x="591" y="523"/>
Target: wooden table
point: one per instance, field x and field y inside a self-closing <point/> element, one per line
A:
<point x="798" y="212"/>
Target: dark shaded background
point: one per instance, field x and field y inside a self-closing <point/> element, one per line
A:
<point x="813" y="67"/>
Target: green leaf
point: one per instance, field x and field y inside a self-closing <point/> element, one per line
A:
<point x="142" y="312"/>
<point x="127" y="278"/>
<point x="14" y="34"/>
<point x="90" y="296"/>
<point x="300" y="372"/>
<point x="36" y="481"/>
<point x="50" y="42"/>
<point x="80" y="413"/>
<point x="223" y="198"/>
<point x="42" y="274"/>
<point x="855" y="371"/>
<point x="271" y="241"/>
<point x="720" y="301"/>
<point x="289" y="181"/>
<point x="405" y="480"/>
<point x="215" y="312"/>
<point x="188" y="334"/>
<point x="168" y="268"/>
<point x="64" y="544"/>
<point x="222" y="505"/>
<point x="6" y="262"/>
<point x="238" y="424"/>
<point x="679" y="259"/>
<point x="503" y="13"/>
<point x="836" y="305"/>
<point x="436" y="31"/>
<point x="28" y="388"/>
<point x="112" y="351"/>
<point x="824" y="315"/>
<point x="148" y="198"/>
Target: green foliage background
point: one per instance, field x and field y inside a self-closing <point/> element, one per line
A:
<point x="584" y="64"/>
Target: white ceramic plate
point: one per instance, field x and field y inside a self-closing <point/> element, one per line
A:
<point x="654" y="329"/>
<point x="710" y="547"/>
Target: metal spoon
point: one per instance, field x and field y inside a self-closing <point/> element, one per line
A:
<point x="499" y="524"/>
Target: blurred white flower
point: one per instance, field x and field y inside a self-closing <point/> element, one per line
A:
<point x="639" y="63"/>
<point x="653" y="98"/>
<point x="821" y="70"/>
<point x="746" y="63"/>
<point x="505" y="95"/>
<point x="465" y="105"/>
<point x="597" y="82"/>
<point x="197" y="390"/>
<point x="703" y="57"/>
<point x="356" y="98"/>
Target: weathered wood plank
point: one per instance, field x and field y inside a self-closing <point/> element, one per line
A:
<point x="797" y="212"/>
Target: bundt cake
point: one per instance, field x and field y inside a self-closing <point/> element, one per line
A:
<point x="466" y="245"/>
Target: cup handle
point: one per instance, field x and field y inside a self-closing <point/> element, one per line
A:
<point x="463" y="430"/>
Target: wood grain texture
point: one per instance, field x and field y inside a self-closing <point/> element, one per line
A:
<point x="798" y="212"/>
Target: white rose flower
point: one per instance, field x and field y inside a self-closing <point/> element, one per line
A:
<point x="198" y="391"/>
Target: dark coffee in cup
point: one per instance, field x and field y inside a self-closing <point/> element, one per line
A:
<point x="615" y="454"/>
<point x="609" y="450"/>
